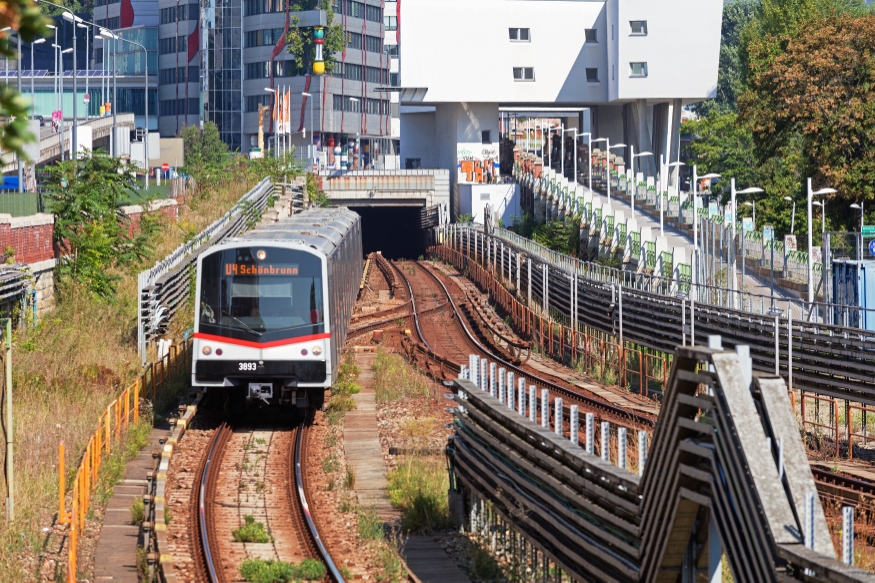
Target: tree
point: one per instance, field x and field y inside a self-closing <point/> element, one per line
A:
<point x="730" y="77"/>
<point x="300" y="40"/>
<point x="93" y="234"/>
<point x="724" y="146"/>
<point x="25" y="18"/>
<point x="811" y="107"/>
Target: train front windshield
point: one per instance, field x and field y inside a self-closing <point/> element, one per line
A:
<point x="261" y="294"/>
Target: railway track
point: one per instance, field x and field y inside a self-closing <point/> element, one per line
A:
<point x="250" y="476"/>
<point x="446" y="335"/>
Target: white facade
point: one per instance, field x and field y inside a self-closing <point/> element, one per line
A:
<point x="632" y="63"/>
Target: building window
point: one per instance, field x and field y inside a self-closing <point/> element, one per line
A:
<point x="262" y="70"/>
<point x="354" y="40"/>
<point x="392" y="50"/>
<point x="639" y="27"/>
<point x="181" y="44"/>
<point x="638" y="69"/>
<point x="372" y="13"/>
<point x="167" y="46"/>
<point x="523" y="73"/>
<point x="373" y="44"/>
<point x="394" y="80"/>
<point x="486" y="137"/>
<point x="260" y="38"/>
<point x="613" y="71"/>
<point x="256" y="7"/>
<point x="253" y="101"/>
<point x="592" y="75"/>
<point x="612" y="32"/>
<point x="592" y="35"/>
<point x="390" y="23"/>
<point x="519" y="34"/>
<point x="346" y="103"/>
<point x="412" y="163"/>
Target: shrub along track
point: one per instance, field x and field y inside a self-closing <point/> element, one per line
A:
<point x="259" y="473"/>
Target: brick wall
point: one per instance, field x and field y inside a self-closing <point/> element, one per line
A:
<point x="30" y="237"/>
<point x="166" y="206"/>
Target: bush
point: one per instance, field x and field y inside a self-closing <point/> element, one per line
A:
<point x="251" y="532"/>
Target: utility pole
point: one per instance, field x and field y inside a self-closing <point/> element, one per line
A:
<point x="10" y="481"/>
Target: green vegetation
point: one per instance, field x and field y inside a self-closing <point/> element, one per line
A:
<point x="394" y="379"/>
<point x="793" y="101"/>
<point x="65" y="375"/>
<point x="261" y="571"/>
<point x="561" y="236"/>
<point x="138" y="511"/>
<point x="251" y="531"/>
<point x="419" y="489"/>
<point x="94" y="237"/>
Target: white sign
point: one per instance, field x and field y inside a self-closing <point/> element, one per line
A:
<point x="816" y="255"/>
<point x="789" y="243"/>
<point x="768" y="233"/>
<point x="747" y="224"/>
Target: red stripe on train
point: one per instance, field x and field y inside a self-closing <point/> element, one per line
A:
<point x="271" y="344"/>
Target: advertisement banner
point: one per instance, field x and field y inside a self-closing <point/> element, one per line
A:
<point x="789" y="243"/>
<point x="747" y="224"/>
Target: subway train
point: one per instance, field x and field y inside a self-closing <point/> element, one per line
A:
<point x="273" y="309"/>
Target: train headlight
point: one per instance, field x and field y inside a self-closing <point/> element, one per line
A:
<point x="317" y="350"/>
<point x="206" y="350"/>
<point x="261" y="254"/>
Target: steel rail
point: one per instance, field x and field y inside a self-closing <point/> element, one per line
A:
<point x="204" y="522"/>
<point x="612" y="409"/>
<point x="333" y="571"/>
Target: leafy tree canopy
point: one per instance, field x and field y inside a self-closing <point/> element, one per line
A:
<point x="93" y="233"/>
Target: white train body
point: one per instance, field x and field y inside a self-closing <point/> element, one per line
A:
<point x="274" y="305"/>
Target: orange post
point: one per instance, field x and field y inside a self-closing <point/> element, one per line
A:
<point x="74" y="537"/>
<point x="154" y="386"/>
<point x="127" y="397"/>
<point x="137" y="402"/>
<point x="83" y="496"/>
<point x="63" y="517"/>
<point x="835" y="408"/>
<point x="108" y="428"/>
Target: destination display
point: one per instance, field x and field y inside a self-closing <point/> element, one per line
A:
<point x="261" y="269"/>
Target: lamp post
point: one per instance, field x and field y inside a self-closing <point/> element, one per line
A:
<point x="860" y="208"/>
<point x="87" y="64"/>
<point x="32" y="92"/>
<point x="10" y="481"/>
<point x="274" y="115"/>
<point x="632" y="157"/>
<point x="822" y="206"/>
<point x="811" y="195"/>
<point x="70" y="17"/>
<point x="793" y="215"/>
<point x="734" y="261"/>
<point x="695" y="257"/>
<point x="308" y="96"/>
<point x="146" y="97"/>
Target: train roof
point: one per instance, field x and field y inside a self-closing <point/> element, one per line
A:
<point x="322" y="229"/>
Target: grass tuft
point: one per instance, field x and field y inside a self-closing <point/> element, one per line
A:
<point x="251" y="531"/>
<point x="262" y="571"/>
<point x="138" y="511"/>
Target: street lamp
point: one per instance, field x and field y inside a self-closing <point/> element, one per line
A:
<point x="588" y="158"/>
<point x="792" y="216"/>
<point x="632" y="156"/>
<point x="860" y="208"/>
<point x="32" y="92"/>
<point x="695" y="262"/>
<point x="811" y="195"/>
<point x="822" y="206"/>
<point x="70" y="17"/>
<point x="274" y="116"/>
<point x="734" y="193"/>
<point x="87" y="65"/>
<point x="305" y="94"/>
<point x="146" y="97"/>
<point x="106" y="35"/>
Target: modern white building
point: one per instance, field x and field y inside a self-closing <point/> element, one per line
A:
<point x="620" y="69"/>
